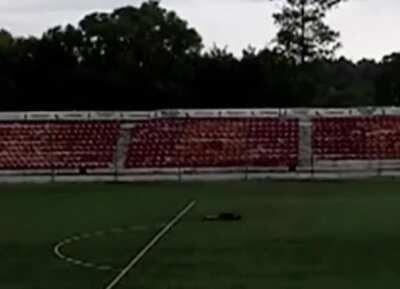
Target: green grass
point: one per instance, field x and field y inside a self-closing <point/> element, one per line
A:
<point x="293" y="235"/>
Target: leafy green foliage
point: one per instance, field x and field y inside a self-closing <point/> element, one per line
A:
<point x="388" y="81"/>
<point x="147" y="57"/>
<point x="303" y="35"/>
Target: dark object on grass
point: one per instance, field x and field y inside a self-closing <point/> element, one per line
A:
<point x="223" y="217"/>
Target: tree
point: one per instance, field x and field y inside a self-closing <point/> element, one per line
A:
<point x="146" y="57"/>
<point x="268" y="79"/>
<point x="129" y="53"/>
<point x="342" y="83"/>
<point x="145" y="34"/>
<point x="145" y="49"/>
<point x="6" y="80"/>
<point x="6" y="39"/>
<point x="303" y="35"/>
<point x="387" y="81"/>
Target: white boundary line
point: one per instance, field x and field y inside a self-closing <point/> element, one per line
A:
<point x="58" y="249"/>
<point x="151" y="244"/>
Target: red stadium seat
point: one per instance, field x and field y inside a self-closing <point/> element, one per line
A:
<point x="214" y="143"/>
<point x="357" y="138"/>
<point x="57" y="145"/>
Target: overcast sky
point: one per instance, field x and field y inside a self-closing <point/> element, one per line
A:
<point x="369" y="27"/>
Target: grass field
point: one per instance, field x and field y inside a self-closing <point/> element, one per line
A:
<point x="293" y="235"/>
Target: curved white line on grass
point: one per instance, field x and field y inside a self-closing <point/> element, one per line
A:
<point x="151" y="244"/>
<point x="58" y="249"/>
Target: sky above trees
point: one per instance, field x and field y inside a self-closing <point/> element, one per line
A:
<point x="368" y="27"/>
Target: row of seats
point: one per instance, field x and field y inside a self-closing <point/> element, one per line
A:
<point x="214" y="143"/>
<point x="72" y="145"/>
<point x="264" y="142"/>
<point x="356" y="138"/>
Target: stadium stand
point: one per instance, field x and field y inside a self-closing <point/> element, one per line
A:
<point x="199" y="144"/>
<point x="67" y="145"/>
<point x="357" y="138"/>
<point x="217" y="142"/>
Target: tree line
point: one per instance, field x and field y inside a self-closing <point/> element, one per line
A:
<point x="146" y="57"/>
